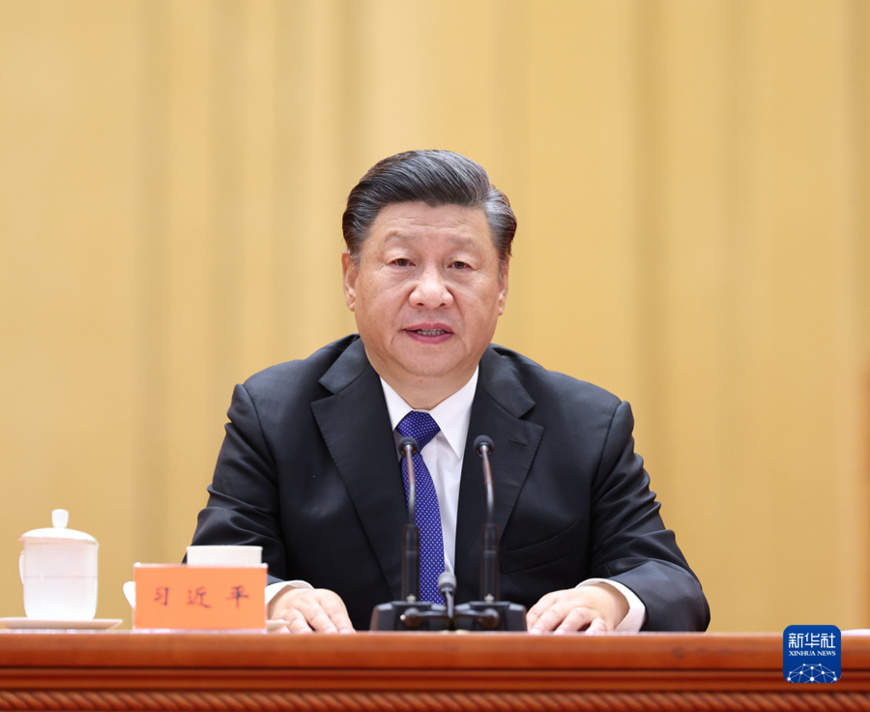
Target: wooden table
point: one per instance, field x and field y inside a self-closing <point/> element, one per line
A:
<point x="129" y="670"/>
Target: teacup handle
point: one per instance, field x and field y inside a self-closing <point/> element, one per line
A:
<point x="129" y="589"/>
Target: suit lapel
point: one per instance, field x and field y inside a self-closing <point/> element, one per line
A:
<point x="499" y="404"/>
<point x="356" y="427"/>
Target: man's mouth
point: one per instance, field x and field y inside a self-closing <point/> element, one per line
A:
<point x="437" y="332"/>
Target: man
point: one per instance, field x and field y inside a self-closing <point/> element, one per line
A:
<point x="310" y="471"/>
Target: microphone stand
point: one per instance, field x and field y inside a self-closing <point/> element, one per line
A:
<point x="410" y="613"/>
<point x="410" y="533"/>
<point x="489" y="613"/>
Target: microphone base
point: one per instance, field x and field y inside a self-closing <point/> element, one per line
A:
<point x="404" y="616"/>
<point x="495" y="616"/>
<point x="474" y="616"/>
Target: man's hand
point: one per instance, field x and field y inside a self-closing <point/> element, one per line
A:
<point x="308" y="610"/>
<point x="595" y="608"/>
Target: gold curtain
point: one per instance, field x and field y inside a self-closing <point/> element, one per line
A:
<point x="691" y="181"/>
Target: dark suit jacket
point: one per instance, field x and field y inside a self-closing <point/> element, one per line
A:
<point x="309" y="470"/>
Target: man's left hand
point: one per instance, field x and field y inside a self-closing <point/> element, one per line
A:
<point x="594" y="608"/>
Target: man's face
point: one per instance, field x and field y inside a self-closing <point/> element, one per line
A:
<point x="426" y="295"/>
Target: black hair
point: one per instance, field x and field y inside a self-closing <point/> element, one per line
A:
<point x="436" y="178"/>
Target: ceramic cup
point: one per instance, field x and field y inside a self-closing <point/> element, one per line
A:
<point x="58" y="569"/>
<point x="224" y="555"/>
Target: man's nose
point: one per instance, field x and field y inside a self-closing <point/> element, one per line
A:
<point x="431" y="290"/>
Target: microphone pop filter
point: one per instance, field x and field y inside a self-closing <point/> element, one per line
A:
<point x="480" y="441"/>
<point x="406" y="442"/>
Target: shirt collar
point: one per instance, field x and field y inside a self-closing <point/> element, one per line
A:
<point x="453" y="414"/>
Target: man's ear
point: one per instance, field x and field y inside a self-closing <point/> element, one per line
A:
<point x="350" y="271"/>
<point x="503" y="285"/>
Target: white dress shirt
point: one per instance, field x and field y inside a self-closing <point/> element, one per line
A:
<point x="443" y="454"/>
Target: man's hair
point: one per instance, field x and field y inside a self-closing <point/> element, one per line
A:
<point x="435" y="178"/>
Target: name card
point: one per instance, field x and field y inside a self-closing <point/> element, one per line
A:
<point x="175" y="596"/>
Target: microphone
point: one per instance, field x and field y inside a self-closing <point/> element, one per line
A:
<point x="447" y="588"/>
<point x="489" y="589"/>
<point x="410" y="533"/>
<point x="489" y="613"/>
<point x="410" y="613"/>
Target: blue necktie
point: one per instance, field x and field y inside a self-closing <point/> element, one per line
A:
<point x="423" y="428"/>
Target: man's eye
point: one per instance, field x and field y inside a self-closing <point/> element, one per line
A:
<point x="402" y="262"/>
<point x="459" y="265"/>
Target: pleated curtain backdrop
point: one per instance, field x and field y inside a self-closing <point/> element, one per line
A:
<point x="691" y="182"/>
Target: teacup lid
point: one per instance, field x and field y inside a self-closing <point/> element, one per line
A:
<point x="57" y="532"/>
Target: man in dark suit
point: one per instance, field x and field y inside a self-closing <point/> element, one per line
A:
<point x="309" y="468"/>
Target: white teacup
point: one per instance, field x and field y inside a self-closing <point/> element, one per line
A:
<point x="224" y="555"/>
<point x="58" y="569"/>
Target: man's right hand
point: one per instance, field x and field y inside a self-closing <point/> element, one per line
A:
<point x="308" y="610"/>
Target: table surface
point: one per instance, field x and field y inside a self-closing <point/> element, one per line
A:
<point x="453" y="671"/>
